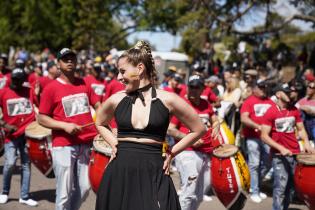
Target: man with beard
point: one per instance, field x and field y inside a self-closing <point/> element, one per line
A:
<point x="278" y="131"/>
<point x="64" y="108"/>
<point x="252" y="113"/>
<point x="18" y="112"/>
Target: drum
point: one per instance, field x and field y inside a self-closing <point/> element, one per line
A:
<point x="39" y="148"/>
<point x="304" y="180"/>
<point x="230" y="176"/>
<point x="99" y="159"/>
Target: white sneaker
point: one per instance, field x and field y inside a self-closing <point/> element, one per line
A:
<point x="207" y="198"/>
<point x="263" y="196"/>
<point x="255" y="198"/>
<point x="29" y="202"/>
<point x="4" y="198"/>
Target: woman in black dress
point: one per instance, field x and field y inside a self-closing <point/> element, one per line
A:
<point x="137" y="177"/>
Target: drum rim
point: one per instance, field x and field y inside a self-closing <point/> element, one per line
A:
<point x="222" y="145"/>
<point x="300" y="160"/>
<point x="96" y="146"/>
<point x="39" y="136"/>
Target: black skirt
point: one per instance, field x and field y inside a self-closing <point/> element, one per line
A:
<point x="135" y="180"/>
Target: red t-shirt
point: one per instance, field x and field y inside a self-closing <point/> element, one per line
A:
<point x="113" y="87"/>
<point x="256" y="107"/>
<point x="69" y="103"/>
<point x="17" y="109"/>
<point x="96" y="85"/>
<point x="209" y="95"/>
<point x="282" y="123"/>
<point x="205" y="111"/>
<point x="43" y="82"/>
<point x="181" y="90"/>
<point x="32" y="78"/>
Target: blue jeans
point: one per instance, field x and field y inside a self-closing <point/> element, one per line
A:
<point x="258" y="162"/>
<point x="10" y="156"/>
<point x="283" y="183"/>
<point x="70" y="165"/>
<point x="194" y="169"/>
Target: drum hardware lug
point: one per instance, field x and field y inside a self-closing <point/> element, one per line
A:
<point x="42" y="147"/>
<point x="92" y="160"/>
<point x="27" y="145"/>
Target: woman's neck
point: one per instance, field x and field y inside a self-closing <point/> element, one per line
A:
<point x="144" y="83"/>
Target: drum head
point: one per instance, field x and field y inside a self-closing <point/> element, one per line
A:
<point x="306" y="159"/>
<point x="225" y="150"/>
<point x="36" y="131"/>
<point x="100" y="145"/>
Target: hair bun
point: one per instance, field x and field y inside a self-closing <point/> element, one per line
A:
<point x="141" y="44"/>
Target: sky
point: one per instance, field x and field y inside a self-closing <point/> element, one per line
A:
<point x="166" y="41"/>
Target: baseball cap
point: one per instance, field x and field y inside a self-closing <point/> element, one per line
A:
<point x="18" y="73"/>
<point x="168" y="73"/>
<point x="283" y="87"/>
<point x="195" y="81"/>
<point x="65" y="51"/>
<point x="177" y="77"/>
<point x="213" y="79"/>
<point x="51" y="64"/>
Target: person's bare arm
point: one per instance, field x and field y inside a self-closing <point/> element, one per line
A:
<point x="53" y="124"/>
<point x="302" y="133"/>
<point x="104" y="114"/>
<point x="245" y="119"/>
<point x="265" y="131"/>
<point x="187" y="115"/>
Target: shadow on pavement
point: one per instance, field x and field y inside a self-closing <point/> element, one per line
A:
<point x="48" y="195"/>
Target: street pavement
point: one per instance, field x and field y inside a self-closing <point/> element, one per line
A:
<point x="43" y="190"/>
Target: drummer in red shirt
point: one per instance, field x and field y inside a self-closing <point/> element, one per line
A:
<point x="39" y="84"/>
<point x="113" y="85"/>
<point x="64" y="108"/>
<point x="252" y="112"/>
<point x="96" y="81"/>
<point x="17" y="109"/>
<point x="194" y="163"/>
<point x="278" y="131"/>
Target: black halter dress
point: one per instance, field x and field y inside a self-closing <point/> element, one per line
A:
<point x="135" y="179"/>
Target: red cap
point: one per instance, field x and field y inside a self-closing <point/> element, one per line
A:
<point x="310" y="77"/>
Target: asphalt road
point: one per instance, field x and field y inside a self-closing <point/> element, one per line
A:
<point x="43" y="190"/>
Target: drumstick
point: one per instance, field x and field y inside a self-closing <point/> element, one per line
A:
<point x="293" y="154"/>
<point x="87" y="125"/>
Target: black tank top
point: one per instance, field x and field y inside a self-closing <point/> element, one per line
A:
<point x="158" y="119"/>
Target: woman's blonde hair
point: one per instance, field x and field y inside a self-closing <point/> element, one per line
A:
<point x="141" y="53"/>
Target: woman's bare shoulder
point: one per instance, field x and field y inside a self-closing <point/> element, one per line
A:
<point x="116" y="98"/>
<point x="168" y="98"/>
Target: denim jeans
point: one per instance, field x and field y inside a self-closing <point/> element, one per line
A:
<point x="10" y="156"/>
<point x="283" y="183"/>
<point x="70" y="165"/>
<point x="259" y="162"/>
<point x="194" y="169"/>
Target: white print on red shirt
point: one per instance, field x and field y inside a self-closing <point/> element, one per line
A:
<point x="19" y="106"/>
<point x="205" y="118"/>
<point x="285" y="124"/>
<point x="75" y="104"/>
<point x="261" y="109"/>
<point x="98" y="89"/>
